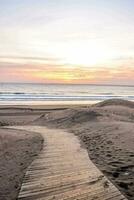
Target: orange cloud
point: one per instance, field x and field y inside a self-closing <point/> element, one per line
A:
<point x="57" y="73"/>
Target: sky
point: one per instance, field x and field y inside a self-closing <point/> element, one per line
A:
<point x="67" y="41"/>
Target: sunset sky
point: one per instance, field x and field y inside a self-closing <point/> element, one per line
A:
<point x="67" y="41"/>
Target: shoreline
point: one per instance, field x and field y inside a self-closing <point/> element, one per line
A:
<point x="46" y="104"/>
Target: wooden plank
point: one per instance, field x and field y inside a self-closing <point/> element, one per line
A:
<point x="63" y="171"/>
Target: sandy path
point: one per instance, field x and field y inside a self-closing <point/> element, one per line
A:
<point x="63" y="171"/>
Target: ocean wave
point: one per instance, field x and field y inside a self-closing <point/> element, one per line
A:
<point x="29" y="97"/>
<point x="45" y="92"/>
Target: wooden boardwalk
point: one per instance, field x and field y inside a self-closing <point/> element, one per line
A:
<point x="63" y="171"/>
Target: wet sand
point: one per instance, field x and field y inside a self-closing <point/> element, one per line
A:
<point x="105" y="129"/>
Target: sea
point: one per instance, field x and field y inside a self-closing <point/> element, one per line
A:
<point x="31" y="93"/>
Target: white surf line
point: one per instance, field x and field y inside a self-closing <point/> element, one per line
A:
<point x="63" y="171"/>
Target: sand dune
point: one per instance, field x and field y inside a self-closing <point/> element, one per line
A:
<point x="105" y="129"/>
<point x="116" y="102"/>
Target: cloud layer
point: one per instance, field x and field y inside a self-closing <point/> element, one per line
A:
<point x="70" y="41"/>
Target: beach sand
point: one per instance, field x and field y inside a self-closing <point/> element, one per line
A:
<point x="106" y="130"/>
<point x="17" y="150"/>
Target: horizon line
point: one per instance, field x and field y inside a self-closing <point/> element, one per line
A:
<point x="92" y="84"/>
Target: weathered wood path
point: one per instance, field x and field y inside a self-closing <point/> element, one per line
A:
<point x="63" y="171"/>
